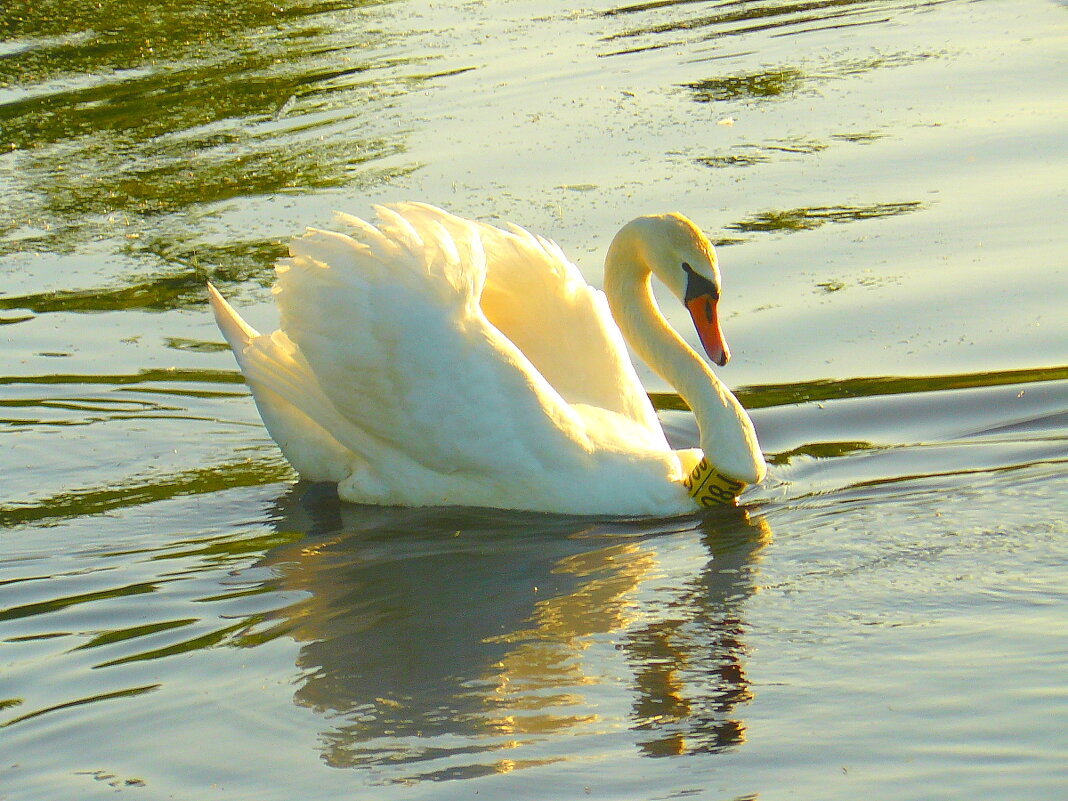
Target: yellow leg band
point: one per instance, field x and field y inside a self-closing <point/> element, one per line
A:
<point x="708" y="487"/>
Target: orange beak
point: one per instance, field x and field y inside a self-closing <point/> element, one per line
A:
<point x="706" y="320"/>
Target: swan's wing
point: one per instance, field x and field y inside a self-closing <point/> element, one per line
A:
<point x="539" y="300"/>
<point x="389" y="323"/>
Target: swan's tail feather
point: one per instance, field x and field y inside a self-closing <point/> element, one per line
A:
<point x="269" y="361"/>
<point x="238" y="333"/>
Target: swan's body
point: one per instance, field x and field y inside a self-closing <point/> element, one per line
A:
<point x="438" y="361"/>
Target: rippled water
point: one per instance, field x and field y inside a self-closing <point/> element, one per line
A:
<point x="885" y="617"/>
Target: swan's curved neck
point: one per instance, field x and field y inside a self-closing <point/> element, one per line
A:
<point x="727" y="436"/>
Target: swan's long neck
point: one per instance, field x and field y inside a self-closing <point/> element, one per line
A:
<point x="727" y="436"/>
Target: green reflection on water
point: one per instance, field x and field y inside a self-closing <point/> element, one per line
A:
<point x="95" y="500"/>
<point x="195" y="345"/>
<point x="126" y="693"/>
<point x="753" y="85"/>
<point x="142" y="377"/>
<point x="178" y="287"/>
<point x="806" y="219"/>
<point x="165" y="68"/>
<point x="56" y="604"/>
<point x="779" y="82"/>
<point x="733" y="160"/>
<point x="18" y="318"/>
<point x="117" y="115"/>
<point x="748" y="154"/>
<point x="740" y="19"/>
<point x="200" y="643"/>
<point x="160" y="293"/>
<point x="820" y="450"/>
<point x="759" y="397"/>
<point x="120" y="635"/>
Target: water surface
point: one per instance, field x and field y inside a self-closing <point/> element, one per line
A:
<point x="884" y="617"/>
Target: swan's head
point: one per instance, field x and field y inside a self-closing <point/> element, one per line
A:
<point x="681" y="256"/>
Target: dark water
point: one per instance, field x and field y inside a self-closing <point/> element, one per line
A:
<point x="885" y="617"/>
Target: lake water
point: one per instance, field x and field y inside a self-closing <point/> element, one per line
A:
<point x="886" y="617"/>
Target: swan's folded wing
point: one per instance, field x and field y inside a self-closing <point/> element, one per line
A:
<point x="389" y="324"/>
<point x="539" y="300"/>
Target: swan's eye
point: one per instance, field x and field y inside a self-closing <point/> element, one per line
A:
<point x="686" y="268"/>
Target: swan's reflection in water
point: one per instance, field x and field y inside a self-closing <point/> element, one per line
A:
<point x="467" y="642"/>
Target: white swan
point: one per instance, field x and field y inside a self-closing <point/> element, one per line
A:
<point x="433" y="360"/>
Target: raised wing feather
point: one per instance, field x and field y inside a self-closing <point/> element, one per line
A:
<point x="540" y="301"/>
